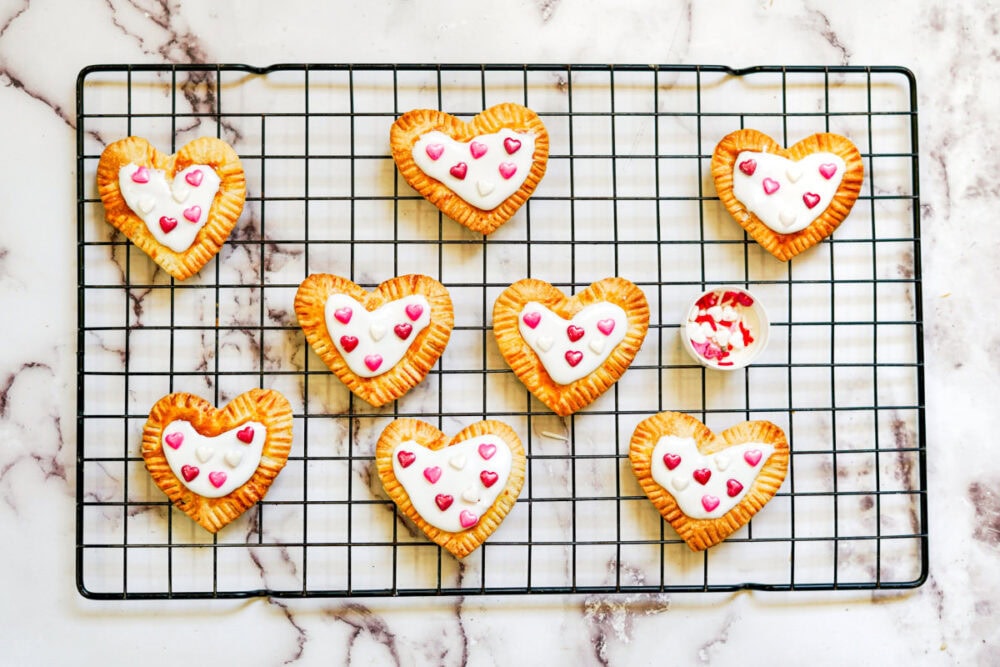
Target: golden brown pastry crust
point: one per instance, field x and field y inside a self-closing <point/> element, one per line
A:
<point x="703" y="533"/>
<point x="567" y="399"/>
<point x="266" y="406"/>
<point x="420" y="357"/>
<point x="226" y="207"/>
<point x="408" y="129"/>
<point x="786" y="246"/>
<point x="463" y="543"/>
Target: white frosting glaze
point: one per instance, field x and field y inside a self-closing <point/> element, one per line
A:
<point x="785" y="209"/>
<point x="490" y="178"/>
<point x="551" y="341"/>
<point x="203" y="458"/>
<point x="460" y="468"/>
<point x="369" y="335"/>
<point x="183" y="205"/>
<point x="689" y="493"/>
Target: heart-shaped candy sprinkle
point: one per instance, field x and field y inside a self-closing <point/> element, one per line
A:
<point x="810" y="199"/>
<point x="752" y="456"/>
<point x="671" y="460"/>
<point x="443" y="501"/>
<point x="477" y="149"/>
<point x="403" y="330"/>
<point x="217" y="478"/>
<point x="793" y="173"/>
<point x="245" y="434"/>
<point x="485" y="187"/>
<point x="573" y="357"/>
<point x="680" y="483"/>
<point x="141" y="175"/>
<point x="194" y="177"/>
<point x="471" y="495"/>
<point x="702" y="475"/>
<point x="606" y="326"/>
<point x="544" y="343"/>
<point x="748" y="167"/>
<point x="574" y="333"/>
<point x="532" y="318"/>
<point x="511" y="145"/>
<point x="432" y="474"/>
<point x="596" y="345"/>
<point x="373" y="361"/>
<point x="507" y="169"/>
<point x="721" y="461"/>
<point x="488" y="478"/>
<point x="376" y="331"/>
<point x="233" y="457"/>
<point x="487" y="450"/>
<point x="406" y="458"/>
<point x="457" y="462"/>
<point x="193" y="214"/>
<point x="709" y="502"/>
<point x="770" y="186"/>
<point x="167" y="224"/>
<point x="204" y="453"/>
<point x="467" y="519"/>
<point x="733" y="488"/>
<point x="827" y="170"/>
<point x="189" y="472"/>
<point x="349" y="343"/>
<point x="434" y="151"/>
<point x="414" y="311"/>
<point x="343" y="315"/>
<point x="146" y="204"/>
<point x="175" y="440"/>
<point x="459" y="170"/>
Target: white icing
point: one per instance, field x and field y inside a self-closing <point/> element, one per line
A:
<point x="157" y="199"/>
<point x="550" y="341"/>
<point x="484" y="185"/>
<point x="224" y="453"/>
<point x="784" y="211"/>
<point x="375" y="331"/>
<point x="730" y="334"/>
<point x="687" y="491"/>
<point x="463" y="484"/>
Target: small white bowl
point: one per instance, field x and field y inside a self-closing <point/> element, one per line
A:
<point x="725" y="328"/>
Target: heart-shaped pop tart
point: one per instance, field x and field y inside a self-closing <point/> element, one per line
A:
<point x="457" y="491"/>
<point x="707" y="485"/>
<point x="179" y="209"/>
<point x="787" y="200"/>
<point x="380" y="343"/>
<point x="478" y="173"/>
<point x="569" y="350"/>
<point x="215" y="464"/>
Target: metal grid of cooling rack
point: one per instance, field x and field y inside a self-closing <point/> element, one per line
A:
<point x="627" y="192"/>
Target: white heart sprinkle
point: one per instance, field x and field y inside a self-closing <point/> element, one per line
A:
<point x="787" y="218"/>
<point x="457" y="461"/>
<point x="544" y="343"/>
<point x="680" y="483"/>
<point x="233" y="457"/>
<point x="721" y="461"/>
<point x="485" y="187"/>
<point x="596" y="345"/>
<point x="793" y="173"/>
<point x="377" y="332"/>
<point x="181" y="192"/>
<point x="204" y="453"/>
<point x="471" y="495"/>
<point x="146" y="204"/>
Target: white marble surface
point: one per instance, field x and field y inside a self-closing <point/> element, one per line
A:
<point x="44" y="43"/>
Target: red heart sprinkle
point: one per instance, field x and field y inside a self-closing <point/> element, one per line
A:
<point x="443" y="501"/>
<point x="175" y="440"/>
<point x="406" y="458"/>
<point x="217" y="478"/>
<point x="487" y="450"/>
<point x="702" y="475"/>
<point x="373" y="361"/>
<point x="810" y="199"/>
<point x="752" y="456"/>
<point x="748" y="167"/>
<point x="343" y="315"/>
<point x="467" y="519"/>
<point x="488" y="478"/>
<point x="709" y="502"/>
<point x="733" y="488"/>
<point x="193" y="214"/>
<point x="477" y="149"/>
<point x="189" y="472"/>
<point x="434" y="151"/>
<point x="414" y="311"/>
<point x="507" y="169"/>
<point x="167" y="224"/>
<point x="573" y="357"/>
<point x="511" y="145"/>
<point x="606" y="326"/>
<point x="140" y="175"/>
<point x="574" y="333"/>
<point x="245" y="434"/>
<point x="194" y="177"/>
<point x="459" y="170"/>
<point x="532" y="319"/>
<point x="671" y="460"/>
<point x="770" y="186"/>
<point x="827" y="170"/>
<point x="348" y="343"/>
<point x="403" y="330"/>
<point x="432" y="474"/>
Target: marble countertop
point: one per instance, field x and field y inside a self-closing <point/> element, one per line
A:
<point x="948" y="620"/>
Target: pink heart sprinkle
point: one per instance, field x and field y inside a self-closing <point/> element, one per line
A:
<point x="167" y="224"/>
<point x="507" y="169"/>
<point x="771" y="186"/>
<point x="434" y="151"/>
<point x="194" y="177"/>
<point x="193" y="214"/>
<point x="459" y="170"/>
<point x="709" y="502"/>
<point x="606" y="326"/>
<point x="343" y="315"/>
<point x="810" y="199"/>
<point x="532" y="319"/>
<point x="511" y="145"/>
<point x="403" y="330"/>
<point x="752" y="456"/>
<point x="574" y="333"/>
<point x="477" y="149"/>
<point x="373" y="361"/>
<point x="443" y="501"/>
<point x="827" y="170"/>
<point x="467" y="519"/>
<point x="748" y="167"/>
<point x="189" y="472"/>
<point x="573" y="357"/>
<point x="348" y="343"/>
<point x="487" y="450"/>
<point x="141" y="175"/>
<point x="671" y="460"/>
<point x="406" y="458"/>
<point x="414" y="311"/>
<point x="432" y="474"/>
<point x="245" y="434"/>
<point x="217" y="478"/>
<point x="733" y="488"/>
<point x="488" y="478"/>
<point x="702" y="475"/>
<point x="175" y="440"/>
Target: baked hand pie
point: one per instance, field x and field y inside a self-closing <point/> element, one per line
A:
<point x="215" y="464"/>
<point x="479" y="173"/>
<point x="179" y="209"/>
<point x="787" y="200"/>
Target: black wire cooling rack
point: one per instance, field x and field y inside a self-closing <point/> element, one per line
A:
<point x="627" y="192"/>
